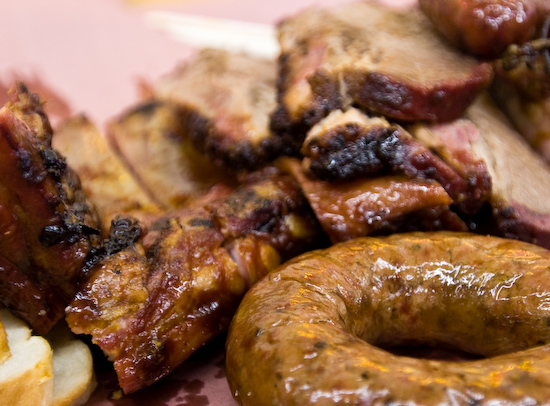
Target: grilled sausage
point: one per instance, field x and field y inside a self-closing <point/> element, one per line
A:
<point x="483" y="27"/>
<point x="312" y="332"/>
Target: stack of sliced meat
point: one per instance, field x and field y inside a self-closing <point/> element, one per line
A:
<point x="172" y="271"/>
<point x="372" y="93"/>
<point x="380" y="114"/>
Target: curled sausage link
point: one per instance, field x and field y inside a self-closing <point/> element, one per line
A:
<point x="315" y="331"/>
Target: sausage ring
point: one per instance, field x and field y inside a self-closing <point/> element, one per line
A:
<point x="313" y="331"/>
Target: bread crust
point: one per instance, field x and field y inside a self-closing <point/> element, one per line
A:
<point x="4" y="348"/>
<point x="26" y="377"/>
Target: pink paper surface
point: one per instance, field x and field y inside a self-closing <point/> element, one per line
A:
<point x="93" y="54"/>
<point x="90" y="57"/>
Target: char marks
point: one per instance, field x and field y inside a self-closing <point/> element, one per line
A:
<point x="51" y="225"/>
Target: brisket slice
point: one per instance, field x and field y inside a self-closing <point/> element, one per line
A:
<point x="390" y="62"/>
<point x="48" y="225"/>
<point x="519" y="203"/>
<point x="108" y="183"/>
<point x="149" y="306"/>
<point x="150" y="139"/>
<point x="226" y="100"/>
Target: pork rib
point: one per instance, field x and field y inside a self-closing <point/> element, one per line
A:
<point x="49" y="225"/>
<point x="150" y="305"/>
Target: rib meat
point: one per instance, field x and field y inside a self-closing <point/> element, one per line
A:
<point x="48" y="225"/>
<point x="150" y="305"/>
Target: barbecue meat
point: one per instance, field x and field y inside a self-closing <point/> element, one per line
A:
<point x="390" y="62"/>
<point x="345" y="145"/>
<point x="349" y="145"/>
<point x="151" y="140"/>
<point x="519" y="205"/>
<point x="522" y="90"/>
<point x="521" y="180"/>
<point x="150" y="305"/>
<point x="376" y="205"/>
<point x="49" y="228"/>
<point x="108" y="183"/>
<point x="484" y="28"/>
<point x="226" y="101"/>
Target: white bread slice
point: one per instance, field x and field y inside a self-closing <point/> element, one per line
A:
<point x="26" y="377"/>
<point x="74" y="379"/>
<point x="4" y="348"/>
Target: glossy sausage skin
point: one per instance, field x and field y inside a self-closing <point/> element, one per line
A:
<point x="311" y="332"/>
<point x="483" y="27"/>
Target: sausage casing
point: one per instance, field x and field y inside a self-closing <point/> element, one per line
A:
<point x="312" y="332"/>
<point x="483" y="27"/>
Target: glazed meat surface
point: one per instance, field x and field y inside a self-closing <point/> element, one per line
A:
<point x="377" y="205"/>
<point x="50" y="223"/>
<point x="150" y="305"/>
<point x="317" y="330"/>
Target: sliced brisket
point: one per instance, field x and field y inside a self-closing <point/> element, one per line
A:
<point x="390" y="62"/>
<point x="226" y="100"/>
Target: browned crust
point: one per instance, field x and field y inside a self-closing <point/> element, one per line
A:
<point x="392" y="97"/>
<point x="225" y="151"/>
<point x="355" y="158"/>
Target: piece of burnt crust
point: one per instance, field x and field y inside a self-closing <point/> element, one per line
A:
<point x="350" y="145"/>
